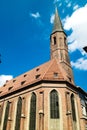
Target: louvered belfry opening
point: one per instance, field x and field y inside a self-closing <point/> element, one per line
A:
<point x="32" y="124"/>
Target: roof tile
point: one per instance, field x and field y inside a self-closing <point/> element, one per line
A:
<point x="43" y="72"/>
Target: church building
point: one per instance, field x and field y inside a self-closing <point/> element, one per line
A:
<point x="46" y="97"/>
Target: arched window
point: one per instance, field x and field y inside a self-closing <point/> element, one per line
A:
<point x="18" y="114"/>
<point x="65" y="41"/>
<point x="60" y="42"/>
<point x="54" y="39"/>
<point x="54" y="105"/>
<point x="32" y="124"/>
<point x="1" y="111"/>
<point x="6" y="115"/>
<point x="73" y="108"/>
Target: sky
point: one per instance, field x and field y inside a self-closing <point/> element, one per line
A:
<point x="25" y="28"/>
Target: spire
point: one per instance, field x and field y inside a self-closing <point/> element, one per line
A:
<point x="57" y="22"/>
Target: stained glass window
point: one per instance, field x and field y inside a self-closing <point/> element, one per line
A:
<point x="18" y="114"/>
<point x="6" y="115"/>
<point x="32" y="124"/>
<point x="73" y="108"/>
<point x="54" y="105"/>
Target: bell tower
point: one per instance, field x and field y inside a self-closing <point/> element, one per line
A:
<point x="59" y="47"/>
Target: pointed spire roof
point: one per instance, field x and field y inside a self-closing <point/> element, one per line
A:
<point x="57" y="22"/>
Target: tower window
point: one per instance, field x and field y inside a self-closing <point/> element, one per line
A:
<point x="54" y="40"/>
<point x="65" y="40"/>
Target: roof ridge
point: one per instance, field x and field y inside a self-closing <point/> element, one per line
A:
<point x="61" y="69"/>
<point x="48" y="68"/>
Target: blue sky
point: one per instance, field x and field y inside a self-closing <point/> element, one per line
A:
<point x="25" y="28"/>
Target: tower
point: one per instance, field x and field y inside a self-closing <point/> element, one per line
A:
<point x="59" y="47"/>
<point x="45" y="98"/>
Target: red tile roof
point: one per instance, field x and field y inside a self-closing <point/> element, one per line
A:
<point x="50" y="70"/>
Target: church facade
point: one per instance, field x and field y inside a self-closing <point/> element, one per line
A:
<point x="45" y="98"/>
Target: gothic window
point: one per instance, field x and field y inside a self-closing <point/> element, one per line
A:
<point x="54" y="105"/>
<point x="1" y="111"/>
<point x="73" y="108"/>
<point x="23" y="107"/>
<point x="10" y="110"/>
<point x="60" y="42"/>
<point x="67" y="58"/>
<point x="65" y="41"/>
<point x="83" y="105"/>
<point x="86" y="108"/>
<point x="67" y="101"/>
<point x="18" y="114"/>
<point x="32" y="124"/>
<point x="61" y="55"/>
<point x="6" y="115"/>
<point x="54" y="38"/>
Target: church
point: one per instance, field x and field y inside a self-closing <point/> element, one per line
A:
<point x="46" y="97"/>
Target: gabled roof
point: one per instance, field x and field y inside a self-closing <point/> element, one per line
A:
<point x="50" y="70"/>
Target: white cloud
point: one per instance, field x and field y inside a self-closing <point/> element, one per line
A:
<point x="80" y="64"/>
<point x="35" y="15"/>
<point x="4" y="78"/>
<point x="52" y="18"/>
<point x="78" y="23"/>
<point x="75" y="7"/>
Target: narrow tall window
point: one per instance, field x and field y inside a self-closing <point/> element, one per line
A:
<point x="54" y="105"/>
<point x="54" y="40"/>
<point x="18" y="114"/>
<point x="10" y="111"/>
<point x="65" y="41"/>
<point x="6" y="115"/>
<point x="86" y="108"/>
<point x="32" y="124"/>
<point x="1" y="111"/>
<point x="73" y="108"/>
<point x="60" y="42"/>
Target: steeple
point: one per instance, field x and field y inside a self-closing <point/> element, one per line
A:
<point x="59" y="47"/>
<point x="57" y="22"/>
